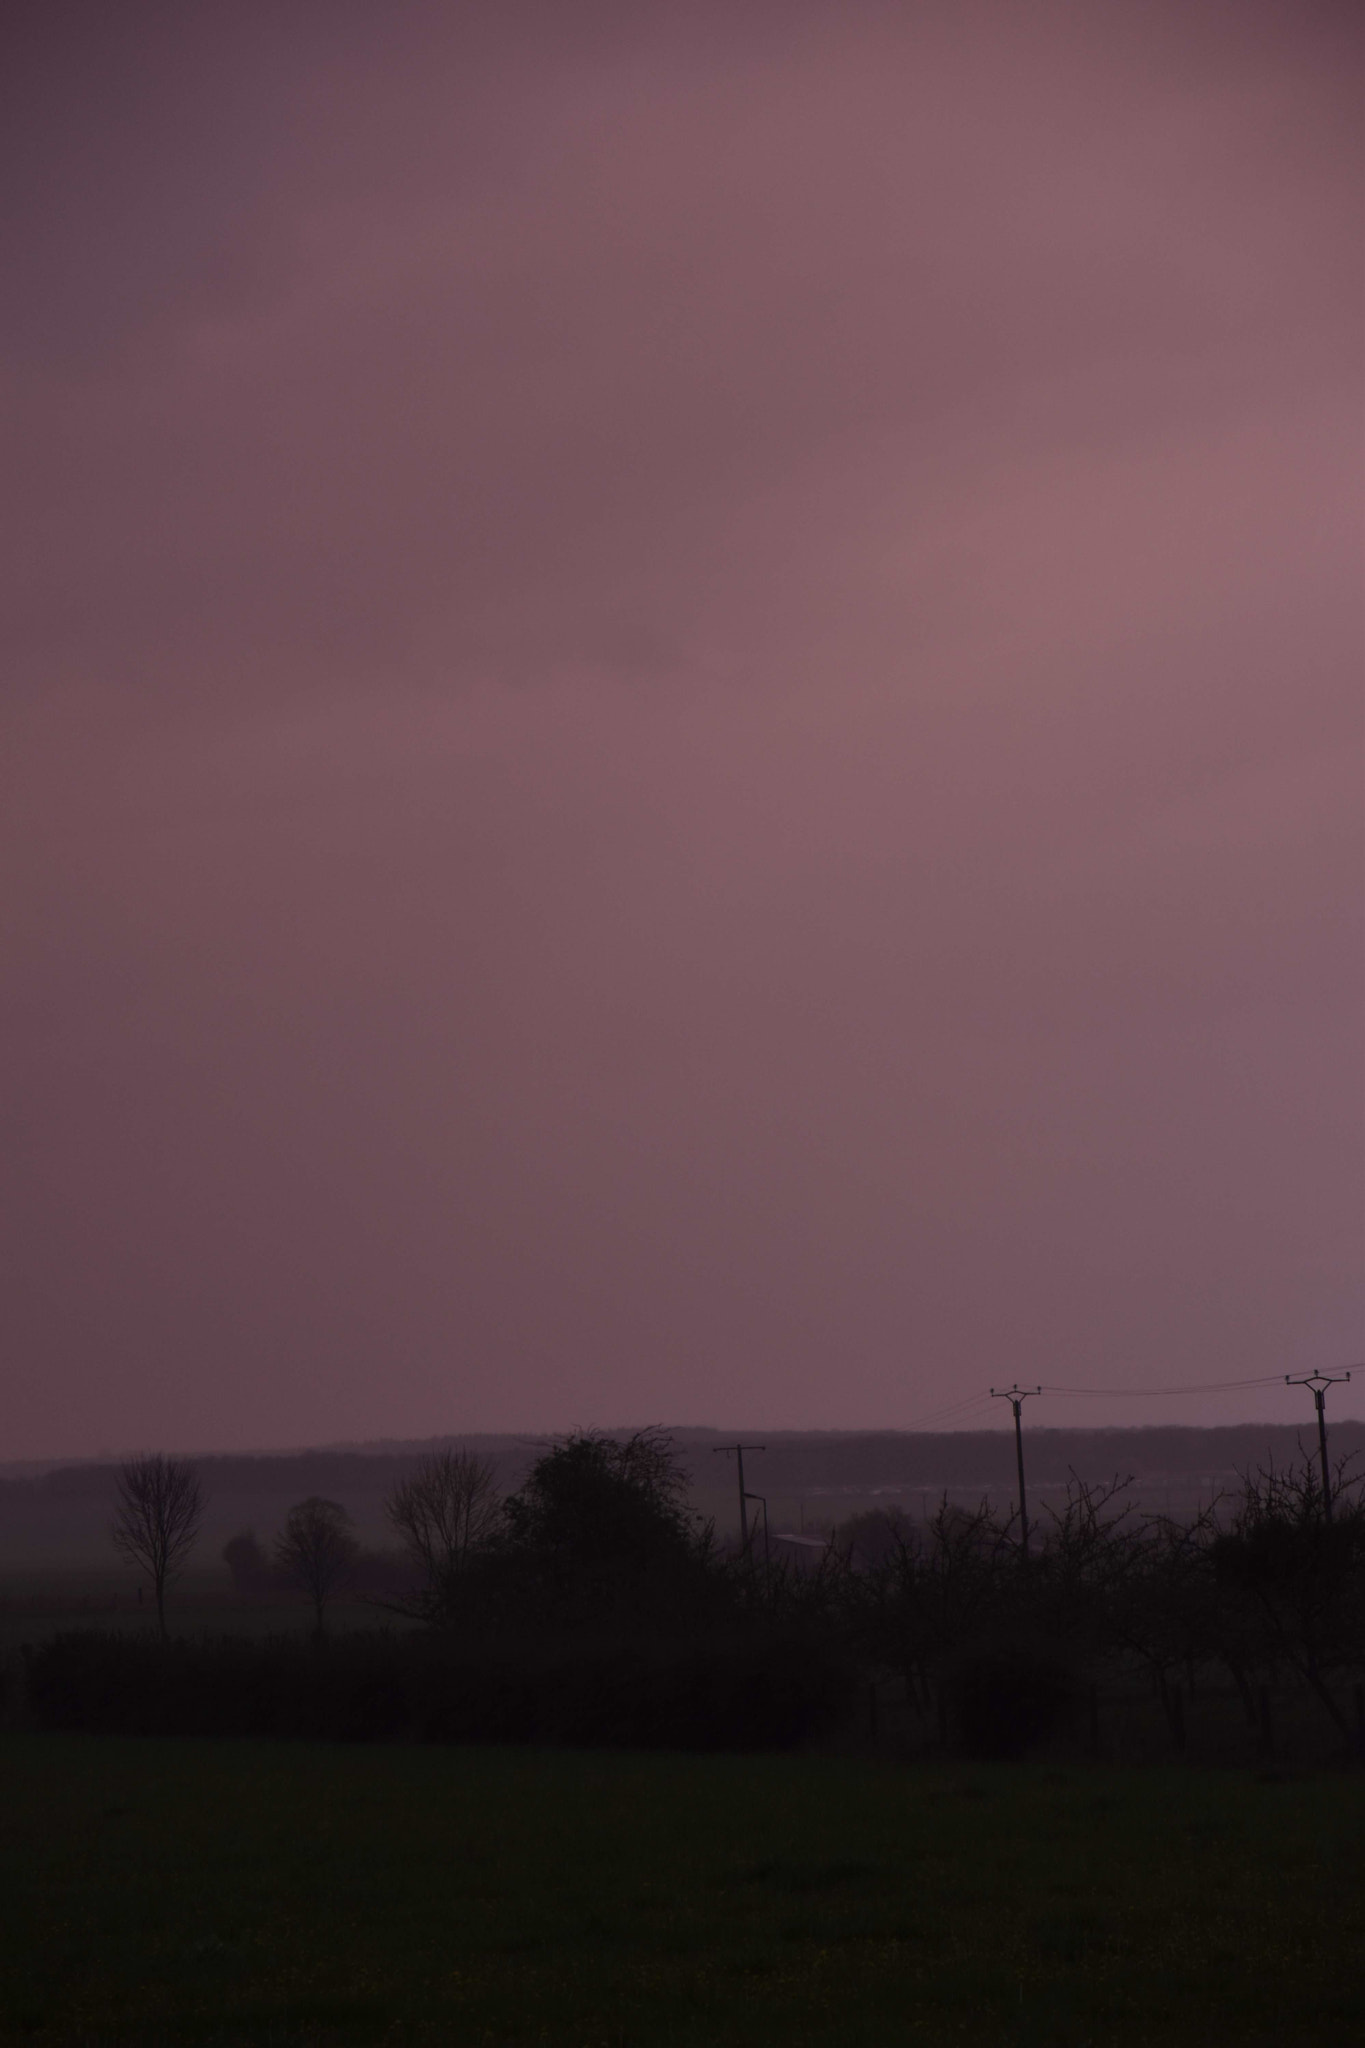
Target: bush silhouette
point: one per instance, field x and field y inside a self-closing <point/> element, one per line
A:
<point x="1006" y="1700"/>
<point x="728" y="1692"/>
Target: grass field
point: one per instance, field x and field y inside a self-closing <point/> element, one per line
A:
<point x="251" y="1893"/>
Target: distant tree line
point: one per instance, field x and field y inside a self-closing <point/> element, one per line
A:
<point x="591" y="1604"/>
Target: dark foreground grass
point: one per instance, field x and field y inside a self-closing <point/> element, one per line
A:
<point x="159" y="1892"/>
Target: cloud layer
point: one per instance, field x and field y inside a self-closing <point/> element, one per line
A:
<point x="683" y="713"/>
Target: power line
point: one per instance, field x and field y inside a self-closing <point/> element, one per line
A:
<point x="947" y="1414"/>
<point x="1144" y="1393"/>
<point x="953" y="1409"/>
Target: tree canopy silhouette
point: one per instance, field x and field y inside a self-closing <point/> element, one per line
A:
<point x="600" y="1531"/>
<point x="595" y="1499"/>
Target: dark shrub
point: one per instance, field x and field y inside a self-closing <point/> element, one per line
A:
<point x="1003" y="1702"/>
<point x="135" y="1685"/>
<point x="729" y="1694"/>
<point x="736" y="1693"/>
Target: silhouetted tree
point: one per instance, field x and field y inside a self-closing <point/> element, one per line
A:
<point x="445" y="1513"/>
<point x="160" y="1506"/>
<point x="597" y="1499"/>
<point x="600" y="1530"/>
<point x="317" y="1549"/>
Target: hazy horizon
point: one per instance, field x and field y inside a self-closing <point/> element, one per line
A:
<point x="997" y="1420"/>
<point x="683" y="725"/>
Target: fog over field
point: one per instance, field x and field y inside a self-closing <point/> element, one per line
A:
<point x="55" y="1519"/>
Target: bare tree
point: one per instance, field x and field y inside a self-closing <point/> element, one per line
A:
<point x="444" y="1513"/>
<point x="160" y="1506"/>
<point x="317" y="1549"/>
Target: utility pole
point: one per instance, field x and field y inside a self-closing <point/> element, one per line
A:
<point x="1016" y="1396"/>
<point x="1320" y="1382"/>
<point x="723" y="1451"/>
<point x="762" y="1500"/>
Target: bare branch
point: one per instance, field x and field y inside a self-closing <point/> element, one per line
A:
<point x="444" y="1513"/>
<point x="317" y="1549"/>
<point x="160" y="1507"/>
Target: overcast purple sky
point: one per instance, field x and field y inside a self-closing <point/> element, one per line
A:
<point x="682" y="727"/>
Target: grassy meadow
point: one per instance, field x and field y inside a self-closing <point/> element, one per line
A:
<point x="288" y="1894"/>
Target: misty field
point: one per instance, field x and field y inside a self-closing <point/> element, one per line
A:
<point x="235" y="1893"/>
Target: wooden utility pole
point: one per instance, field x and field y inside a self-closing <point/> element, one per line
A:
<point x="1320" y="1382"/>
<point x="723" y="1451"/>
<point x="1016" y="1396"/>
